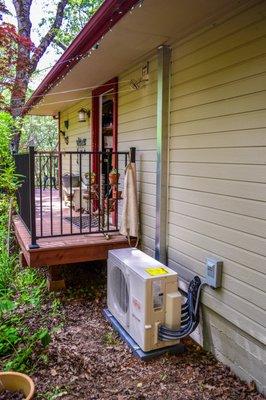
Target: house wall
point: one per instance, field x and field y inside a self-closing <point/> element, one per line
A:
<point x="76" y="129"/>
<point x="137" y="127"/>
<point x="217" y="176"/>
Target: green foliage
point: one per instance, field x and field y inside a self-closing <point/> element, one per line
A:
<point x="40" y="130"/>
<point x="77" y="14"/>
<point x="21" y="290"/>
<point x="27" y="345"/>
<point x="56" y="393"/>
<point x="9" y="337"/>
<point x="110" y="339"/>
<point x="8" y="180"/>
<point x="23" y="299"/>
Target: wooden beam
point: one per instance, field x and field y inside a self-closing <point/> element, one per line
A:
<point x="55" y="279"/>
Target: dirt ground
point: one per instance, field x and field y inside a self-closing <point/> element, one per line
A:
<point x="87" y="360"/>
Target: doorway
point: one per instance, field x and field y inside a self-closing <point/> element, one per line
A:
<point x="104" y="117"/>
<point x="104" y="135"/>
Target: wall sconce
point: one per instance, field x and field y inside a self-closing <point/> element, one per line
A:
<point x="81" y="142"/>
<point x="82" y="114"/>
<point x="66" y="138"/>
<point x="66" y="124"/>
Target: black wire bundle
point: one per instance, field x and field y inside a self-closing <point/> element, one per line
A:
<point x="189" y="314"/>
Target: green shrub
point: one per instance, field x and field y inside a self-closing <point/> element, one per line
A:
<point x="8" y="180"/>
<point x="21" y="290"/>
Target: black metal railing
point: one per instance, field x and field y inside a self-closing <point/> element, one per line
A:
<point x="70" y="193"/>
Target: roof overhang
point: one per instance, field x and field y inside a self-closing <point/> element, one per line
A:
<point x="125" y="35"/>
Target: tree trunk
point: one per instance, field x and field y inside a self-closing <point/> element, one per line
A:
<point x="27" y="62"/>
<point x="18" y="97"/>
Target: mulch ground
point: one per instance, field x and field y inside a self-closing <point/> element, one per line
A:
<point x="86" y="360"/>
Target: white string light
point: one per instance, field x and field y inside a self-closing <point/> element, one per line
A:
<point x="76" y="99"/>
<point x="80" y="57"/>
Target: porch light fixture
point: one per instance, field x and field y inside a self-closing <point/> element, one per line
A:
<point x="81" y="142"/>
<point x="82" y="114"/>
<point x="66" y="138"/>
<point x="66" y="124"/>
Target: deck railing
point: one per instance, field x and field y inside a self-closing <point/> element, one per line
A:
<point x="70" y="193"/>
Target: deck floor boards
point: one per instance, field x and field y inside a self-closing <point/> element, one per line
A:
<point x="63" y="249"/>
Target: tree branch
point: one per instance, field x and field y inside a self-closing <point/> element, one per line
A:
<point x="22" y="8"/>
<point x="60" y="44"/>
<point x="3" y="9"/>
<point x="49" y="36"/>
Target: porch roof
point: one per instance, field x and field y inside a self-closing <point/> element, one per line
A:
<point x="121" y="33"/>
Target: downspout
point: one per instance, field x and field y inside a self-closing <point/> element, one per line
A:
<point x="163" y="114"/>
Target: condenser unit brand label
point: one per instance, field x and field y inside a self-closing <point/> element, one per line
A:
<point x="136" y="304"/>
<point x="156" y="271"/>
<point x="157" y="290"/>
<point x="136" y="308"/>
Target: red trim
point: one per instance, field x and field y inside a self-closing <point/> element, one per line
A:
<point x="105" y="18"/>
<point x="110" y="85"/>
<point x="59" y="150"/>
<point x="58" y="131"/>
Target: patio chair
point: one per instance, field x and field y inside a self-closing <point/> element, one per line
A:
<point x="68" y="192"/>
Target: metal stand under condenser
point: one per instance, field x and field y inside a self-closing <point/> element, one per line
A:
<point x="145" y="356"/>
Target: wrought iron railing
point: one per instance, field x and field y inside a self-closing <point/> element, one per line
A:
<point x="70" y="193"/>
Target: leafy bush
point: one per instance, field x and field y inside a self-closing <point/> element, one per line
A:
<point x="21" y="290"/>
<point x="8" y="180"/>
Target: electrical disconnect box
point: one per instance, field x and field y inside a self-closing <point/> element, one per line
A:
<point x="214" y="272"/>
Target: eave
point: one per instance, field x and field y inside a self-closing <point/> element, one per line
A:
<point x="125" y="40"/>
<point x="99" y="24"/>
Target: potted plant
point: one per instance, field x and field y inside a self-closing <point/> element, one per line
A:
<point x="110" y="204"/>
<point x="91" y="177"/>
<point x="113" y="176"/>
<point x="117" y="194"/>
<point x="18" y="384"/>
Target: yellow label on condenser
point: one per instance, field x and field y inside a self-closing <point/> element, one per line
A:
<point x="156" y="271"/>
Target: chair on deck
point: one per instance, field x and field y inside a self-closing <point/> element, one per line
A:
<point x="68" y="192"/>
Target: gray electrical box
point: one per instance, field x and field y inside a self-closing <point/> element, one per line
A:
<point x="214" y="272"/>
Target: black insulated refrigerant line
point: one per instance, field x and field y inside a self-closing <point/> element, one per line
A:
<point x="189" y="314"/>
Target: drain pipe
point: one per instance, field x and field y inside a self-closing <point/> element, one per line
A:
<point x="163" y="103"/>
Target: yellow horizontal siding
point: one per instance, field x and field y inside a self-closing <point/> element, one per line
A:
<point x="217" y="183"/>
<point x="137" y="127"/>
<point x="76" y="129"/>
<point x="219" y="201"/>
<point x="223" y="29"/>
<point x="256" y="227"/>
<point x="242" y="138"/>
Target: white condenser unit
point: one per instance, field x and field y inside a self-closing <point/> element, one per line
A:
<point x="142" y="294"/>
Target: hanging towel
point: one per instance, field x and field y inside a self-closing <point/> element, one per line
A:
<point x="130" y="216"/>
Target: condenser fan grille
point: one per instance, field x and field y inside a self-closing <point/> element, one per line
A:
<point x="120" y="289"/>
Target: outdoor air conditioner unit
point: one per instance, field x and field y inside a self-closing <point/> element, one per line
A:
<point x="142" y="294"/>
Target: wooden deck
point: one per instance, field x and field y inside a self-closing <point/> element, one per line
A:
<point x="66" y="249"/>
<point x="48" y="217"/>
<point x="60" y="250"/>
